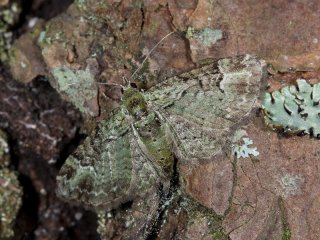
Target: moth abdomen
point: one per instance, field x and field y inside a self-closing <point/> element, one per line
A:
<point x="153" y="135"/>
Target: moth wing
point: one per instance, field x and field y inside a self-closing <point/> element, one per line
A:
<point x="202" y="106"/>
<point x="102" y="172"/>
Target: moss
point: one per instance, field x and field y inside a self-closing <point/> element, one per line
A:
<point x="286" y="232"/>
<point x="219" y="235"/>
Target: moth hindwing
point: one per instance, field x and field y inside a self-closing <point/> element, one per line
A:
<point x="189" y="116"/>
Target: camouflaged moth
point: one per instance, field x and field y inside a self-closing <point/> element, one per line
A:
<point x="188" y="117"/>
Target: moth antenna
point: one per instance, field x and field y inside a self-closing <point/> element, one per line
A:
<point x="149" y="53"/>
<point x="109" y="84"/>
<point x="125" y="79"/>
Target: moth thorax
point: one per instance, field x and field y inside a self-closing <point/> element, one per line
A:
<point x="135" y="103"/>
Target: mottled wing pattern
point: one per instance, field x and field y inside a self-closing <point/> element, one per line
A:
<point x="100" y="172"/>
<point x="203" y="105"/>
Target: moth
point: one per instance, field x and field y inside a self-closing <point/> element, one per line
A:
<point x="188" y="117"/>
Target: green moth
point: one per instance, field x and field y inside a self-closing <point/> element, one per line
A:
<point x="188" y="117"/>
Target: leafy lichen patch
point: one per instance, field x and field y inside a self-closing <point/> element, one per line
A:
<point x="241" y="145"/>
<point x="243" y="150"/>
<point x="294" y="108"/>
<point x="78" y="85"/>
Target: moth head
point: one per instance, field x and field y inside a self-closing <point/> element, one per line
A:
<point x="134" y="102"/>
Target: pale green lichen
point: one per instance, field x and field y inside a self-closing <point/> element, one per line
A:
<point x="207" y="36"/>
<point x="9" y="14"/>
<point x="10" y="201"/>
<point x="81" y="4"/>
<point x="78" y="85"/>
<point x="291" y="184"/>
<point x="42" y="37"/>
<point x="102" y="222"/>
<point x="4" y="150"/>
<point x="23" y="65"/>
<point x="47" y="36"/>
<point x="294" y="108"/>
<point x="10" y="192"/>
<point x="243" y="150"/>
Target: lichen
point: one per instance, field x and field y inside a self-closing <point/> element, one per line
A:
<point x="291" y="184"/>
<point x="80" y="4"/>
<point x="4" y="150"/>
<point x="199" y="215"/>
<point x="102" y="230"/>
<point x="294" y="108"/>
<point x="243" y="150"/>
<point x="10" y="192"/>
<point x="9" y="14"/>
<point x="78" y="85"/>
<point x="207" y="36"/>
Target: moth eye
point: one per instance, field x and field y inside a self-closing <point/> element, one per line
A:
<point x="133" y="85"/>
<point x="122" y="91"/>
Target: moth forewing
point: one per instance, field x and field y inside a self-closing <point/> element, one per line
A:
<point x="99" y="173"/>
<point x="207" y="103"/>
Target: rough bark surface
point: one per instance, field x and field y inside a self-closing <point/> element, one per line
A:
<point x="274" y="195"/>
